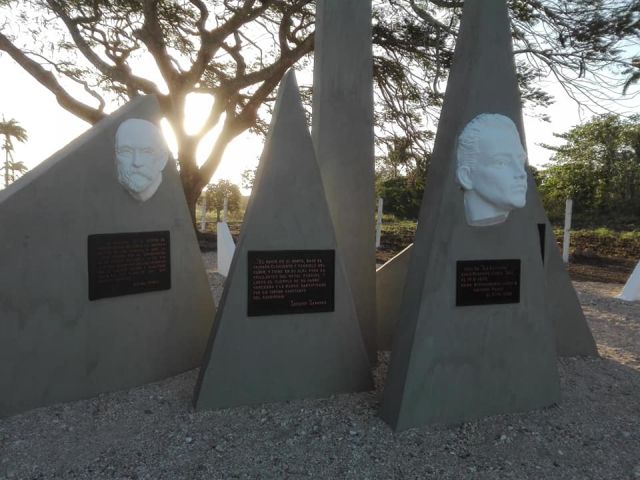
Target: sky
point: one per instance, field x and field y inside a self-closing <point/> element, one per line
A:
<point x="50" y="127"/>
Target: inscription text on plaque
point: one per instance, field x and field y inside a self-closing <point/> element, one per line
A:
<point x="487" y="282"/>
<point x="290" y="282"/>
<point x="128" y="263"/>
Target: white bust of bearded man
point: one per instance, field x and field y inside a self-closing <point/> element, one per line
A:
<point x="141" y="155"/>
<point x="491" y="169"/>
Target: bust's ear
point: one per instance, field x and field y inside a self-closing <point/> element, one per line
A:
<point x="463" y="174"/>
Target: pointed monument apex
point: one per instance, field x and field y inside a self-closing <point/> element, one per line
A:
<point x="286" y="327"/>
<point x="473" y="337"/>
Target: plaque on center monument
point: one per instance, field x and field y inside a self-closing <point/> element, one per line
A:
<point x="487" y="282"/>
<point x="128" y="263"/>
<point x="285" y="282"/>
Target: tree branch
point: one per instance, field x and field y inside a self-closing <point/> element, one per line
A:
<point x="47" y="79"/>
<point x="119" y="73"/>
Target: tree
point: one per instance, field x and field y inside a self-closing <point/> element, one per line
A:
<point x="237" y="51"/>
<point x="599" y="168"/>
<point x="11" y="130"/>
<point x="217" y="192"/>
<point x="402" y="195"/>
<point x="249" y="178"/>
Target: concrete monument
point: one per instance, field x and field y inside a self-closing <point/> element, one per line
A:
<point x="343" y="139"/>
<point x="473" y="337"/>
<point x="390" y="279"/>
<point x="286" y="326"/>
<point x="98" y="290"/>
<point x="572" y="333"/>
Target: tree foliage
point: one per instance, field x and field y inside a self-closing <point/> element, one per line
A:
<point x="216" y="193"/>
<point x="11" y="130"/>
<point x="402" y="196"/>
<point x="599" y="168"/>
<point x="89" y="53"/>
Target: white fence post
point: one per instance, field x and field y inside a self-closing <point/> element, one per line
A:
<point x="203" y="218"/>
<point x="567" y="230"/>
<point x="379" y="223"/>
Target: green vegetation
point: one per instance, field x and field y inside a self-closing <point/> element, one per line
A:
<point x="11" y="130"/>
<point x="603" y="242"/>
<point x="216" y="193"/>
<point x="599" y="168"/>
<point x="402" y="196"/>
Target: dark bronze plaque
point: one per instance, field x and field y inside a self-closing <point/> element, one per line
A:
<point x="284" y="282"/>
<point x="487" y="282"/>
<point x="128" y="263"/>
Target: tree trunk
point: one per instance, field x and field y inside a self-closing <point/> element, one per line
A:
<point x="191" y="194"/>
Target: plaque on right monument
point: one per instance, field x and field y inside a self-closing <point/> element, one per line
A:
<point x="487" y="282"/>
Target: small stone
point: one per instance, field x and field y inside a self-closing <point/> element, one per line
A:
<point x="188" y="440"/>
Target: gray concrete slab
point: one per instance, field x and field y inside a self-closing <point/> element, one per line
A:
<point x="252" y="360"/>
<point x="451" y="363"/>
<point x="56" y="344"/>
<point x="390" y="279"/>
<point x="343" y="139"/>
<point x="572" y="333"/>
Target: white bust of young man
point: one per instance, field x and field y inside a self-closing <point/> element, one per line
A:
<point x="141" y="155"/>
<point x="491" y="169"/>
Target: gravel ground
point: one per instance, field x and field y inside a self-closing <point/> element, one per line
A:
<point x="152" y="432"/>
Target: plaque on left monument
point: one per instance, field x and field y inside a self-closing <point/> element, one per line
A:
<point x="128" y="263"/>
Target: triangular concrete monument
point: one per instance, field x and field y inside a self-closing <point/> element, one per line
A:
<point x="631" y="290"/>
<point x="286" y="326"/>
<point x="102" y="285"/>
<point x="473" y="337"/>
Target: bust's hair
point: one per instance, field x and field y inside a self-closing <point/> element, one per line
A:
<point x="468" y="140"/>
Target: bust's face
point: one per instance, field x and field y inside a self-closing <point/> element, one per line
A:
<point x="141" y="156"/>
<point x="499" y="175"/>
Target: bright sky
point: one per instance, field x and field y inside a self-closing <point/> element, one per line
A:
<point x="50" y="127"/>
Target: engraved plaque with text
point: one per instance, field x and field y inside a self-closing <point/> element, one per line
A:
<point x="128" y="263"/>
<point x="487" y="282"/>
<point x="284" y="282"/>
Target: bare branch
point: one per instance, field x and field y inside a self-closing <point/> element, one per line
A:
<point x="46" y="78"/>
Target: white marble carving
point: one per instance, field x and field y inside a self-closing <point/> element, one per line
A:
<point x="141" y="155"/>
<point x="491" y="169"/>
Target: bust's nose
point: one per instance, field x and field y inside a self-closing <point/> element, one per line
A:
<point x="137" y="158"/>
